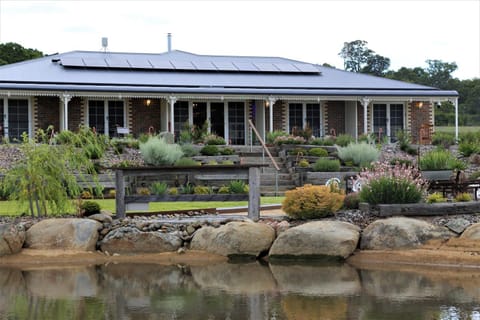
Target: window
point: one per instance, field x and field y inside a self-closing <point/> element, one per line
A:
<point x="180" y="116"/>
<point x="295" y="117"/>
<point x="236" y="123"/>
<point x="314" y="119"/>
<point x="18" y="119"/>
<point x="106" y="116"/>
<point x="387" y="119"/>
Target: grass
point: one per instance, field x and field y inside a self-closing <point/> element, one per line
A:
<point x="10" y="208"/>
<point x="460" y="129"/>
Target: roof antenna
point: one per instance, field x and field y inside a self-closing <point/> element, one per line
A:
<point x="169" y="41"/>
<point x="104" y="44"/>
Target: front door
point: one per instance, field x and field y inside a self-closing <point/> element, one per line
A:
<point x="217" y="118"/>
<point x="236" y="123"/>
<point x="387" y="120"/>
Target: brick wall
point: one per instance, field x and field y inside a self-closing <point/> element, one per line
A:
<point x="279" y="116"/>
<point x="46" y="112"/>
<point x="76" y="113"/>
<point x="335" y="117"/>
<point x="418" y="116"/>
<point x="359" y="118"/>
<point x="144" y="117"/>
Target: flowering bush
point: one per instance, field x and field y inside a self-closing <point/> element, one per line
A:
<point x="311" y="201"/>
<point x="383" y="183"/>
<point x="289" y="140"/>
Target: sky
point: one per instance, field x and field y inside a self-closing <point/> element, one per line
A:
<point x="408" y="31"/>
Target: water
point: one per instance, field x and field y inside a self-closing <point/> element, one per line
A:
<point x="238" y="291"/>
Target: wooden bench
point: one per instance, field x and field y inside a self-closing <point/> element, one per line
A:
<point x="455" y="187"/>
<point x="105" y="180"/>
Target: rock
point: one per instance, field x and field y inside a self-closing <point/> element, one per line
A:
<point x="457" y="225"/>
<point x="247" y="239"/>
<point x="282" y="227"/>
<point x="400" y="233"/>
<point x="70" y="233"/>
<point x="127" y="240"/>
<point x="12" y="238"/>
<point x="472" y="232"/>
<point x="101" y="217"/>
<point x="190" y="229"/>
<point x="334" y="239"/>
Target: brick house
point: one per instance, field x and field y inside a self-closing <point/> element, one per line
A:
<point x="138" y="93"/>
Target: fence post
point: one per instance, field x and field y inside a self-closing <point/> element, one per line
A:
<point x="119" y="193"/>
<point x="254" y="193"/>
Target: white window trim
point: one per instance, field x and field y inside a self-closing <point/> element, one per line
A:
<point x="388" y="119"/>
<point x="5" y="114"/>
<point x="105" y="114"/>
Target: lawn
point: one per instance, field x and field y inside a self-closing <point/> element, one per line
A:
<point x="10" y="208"/>
<point x="460" y="129"/>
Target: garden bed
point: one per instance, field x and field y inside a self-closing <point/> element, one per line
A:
<point x="421" y="209"/>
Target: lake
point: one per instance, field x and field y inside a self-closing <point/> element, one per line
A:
<point x="239" y="291"/>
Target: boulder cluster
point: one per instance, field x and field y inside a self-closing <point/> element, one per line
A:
<point x="233" y="237"/>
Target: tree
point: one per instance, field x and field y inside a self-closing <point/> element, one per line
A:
<point x="440" y="73"/>
<point x="358" y="58"/>
<point x="11" y="52"/>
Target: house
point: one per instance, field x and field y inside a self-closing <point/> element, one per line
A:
<point x="139" y="93"/>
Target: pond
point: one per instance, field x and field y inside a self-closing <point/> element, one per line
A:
<point x="238" y="291"/>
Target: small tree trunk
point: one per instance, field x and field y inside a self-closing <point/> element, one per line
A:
<point x="30" y="202"/>
<point x="39" y="211"/>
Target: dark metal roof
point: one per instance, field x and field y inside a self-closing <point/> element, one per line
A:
<point x="178" y="72"/>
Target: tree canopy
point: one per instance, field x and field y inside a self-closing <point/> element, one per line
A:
<point x="358" y="58"/>
<point x="11" y="52"/>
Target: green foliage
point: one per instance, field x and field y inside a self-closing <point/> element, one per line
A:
<point x="435" y="198"/>
<point x="360" y="154"/>
<point x="189" y="150"/>
<point x="463" y="197"/>
<point x="351" y="201"/>
<point x="318" y="152"/>
<point x="344" y="140"/>
<point x="187" y="162"/>
<point x="440" y="159"/>
<point x="90" y="207"/>
<point x="227" y="151"/>
<point x="443" y="139"/>
<point x="310" y="202"/>
<point x="202" y="190"/>
<point x="173" y="191"/>
<point x="297" y="151"/>
<point x="12" y="52"/>
<point x="213" y="139"/>
<point x="143" y="191"/>
<point x="120" y="144"/>
<point x="466" y="149"/>
<point x="306" y="133"/>
<point x="199" y="132"/>
<point x="326" y="165"/>
<point x="44" y="179"/>
<point x="187" y="188"/>
<point x="5" y="191"/>
<point x="475" y="175"/>
<point x="358" y="58"/>
<point x="143" y="137"/>
<point x="212" y="162"/>
<point x="383" y="183"/>
<point x="303" y="163"/>
<point x="223" y="190"/>
<point x="159" y="188"/>
<point x="227" y="163"/>
<point x="290" y="139"/>
<point x="323" y="141"/>
<point x="237" y="186"/>
<point x="209" y="150"/>
<point x="272" y="136"/>
<point x="401" y="161"/>
<point x="186" y="136"/>
<point x="157" y="151"/>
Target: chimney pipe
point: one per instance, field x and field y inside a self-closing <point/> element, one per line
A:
<point x="169" y="41"/>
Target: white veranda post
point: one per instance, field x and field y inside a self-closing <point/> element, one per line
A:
<point x="271" y="102"/>
<point x="365" y="102"/>
<point x="65" y="98"/>
<point x="172" y="101"/>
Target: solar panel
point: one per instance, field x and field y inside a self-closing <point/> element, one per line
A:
<point x="245" y="66"/>
<point x="204" y="65"/>
<point x="224" y="66"/>
<point x="72" y="62"/>
<point x="161" y="64"/>
<point x="308" y="68"/>
<point x="139" y="63"/>
<point x="95" y="62"/>
<point x="182" y="65"/>
<point x="117" y="63"/>
<point x="286" y="67"/>
<point x="266" y="67"/>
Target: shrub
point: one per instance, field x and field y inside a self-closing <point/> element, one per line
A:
<point x="5" y="191"/>
<point x="202" y="190"/>
<point x="159" y="188"/>
<point x="237" y="186"/>
<point x="360" y="154"/>
<point x="143" y="191"/>
<point x="303" y="163"/>
<point x="326" y="165"/>
<point x="475" y="175"/>
<point x="297" y="151"/>
<point x="90" y="207"/>
<point x="271" y="136"/>
<point x="186" y="162"/>
<point x="440" y="159"/>
<point x="212" y="163"/>
<point x="227" y="163"/>
<point x="289" y="140"/>
<point x="351" y="201"/>
<point x="443" y="139"/>
<point x="173" y="191"/>
<point x="383" y="183"/>
<point x="323" y="141"/>
<point x="227" y="151"/>
<point x="189" y="150"/>
<point x="213" y="139"/>
<point x="187" y="188"/>
<point x="471" y="137"/>
<point x="435" y="198"/>
<point x="401" y="161"/>
<point x="86" y="195"/>
<point x="309" y="202"/>
<point x="318" y="152"/>
<point x="403" y="140"/>
<point x="224" y="190"/>
<point x="157" y="151"/>
<point x="466" y="149"/>
<point x="344" y="140"/>
<point x="209" y="150"/>
<point x="65" y="137"/>
<point x="475" y="159"/>
<point x="463" y="197"/>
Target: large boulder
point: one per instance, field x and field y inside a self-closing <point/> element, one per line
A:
<point x="329" y="239"/>
<point x="235" y="239"/>
<point x="11" y="238"/>
<point x="129" y="240"/>
<point x="472" y="232"/>
<point x="400" y="233"/>
<point x="66" y="234"/>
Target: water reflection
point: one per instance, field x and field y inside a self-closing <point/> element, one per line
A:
<point x="237" y="291"/>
